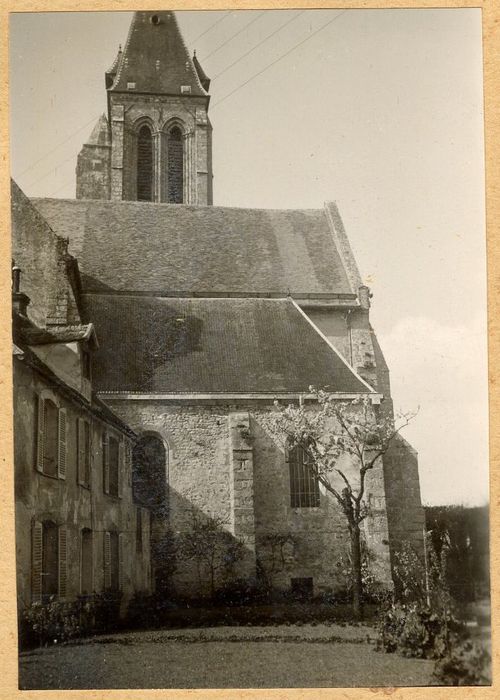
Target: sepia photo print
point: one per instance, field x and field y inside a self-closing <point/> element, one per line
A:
<point x="249" y="349"/>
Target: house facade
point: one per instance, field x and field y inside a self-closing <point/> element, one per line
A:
<point x="78" y="529"/>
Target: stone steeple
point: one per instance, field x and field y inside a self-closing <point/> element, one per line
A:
<point x="160" y="137"/>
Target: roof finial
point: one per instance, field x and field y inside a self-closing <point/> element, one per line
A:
<point x="194" y="53"/>
<point x="119" y="48"/>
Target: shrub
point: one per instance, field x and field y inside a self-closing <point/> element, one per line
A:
<point x="49" y="622"/>
<point x="468" y="663"/>
<point x="56" y="621"/>
<point x="416" y="630"/>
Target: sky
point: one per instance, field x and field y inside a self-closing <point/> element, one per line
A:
<point x="378" y="110"/>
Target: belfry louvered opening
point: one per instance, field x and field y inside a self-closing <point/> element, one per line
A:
<point x="145" y="165"/>
<point x="175" y="166"/>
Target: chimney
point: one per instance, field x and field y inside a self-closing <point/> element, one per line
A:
<point x="20" y="301"/>
<point x="364" y="296"/>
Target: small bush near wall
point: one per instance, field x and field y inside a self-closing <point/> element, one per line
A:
<point x="54" y="621"/>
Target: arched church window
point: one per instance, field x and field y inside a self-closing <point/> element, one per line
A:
<point x="145" y="165"/>
<point x="304" y="486"/>
<point x="175" y="166"/>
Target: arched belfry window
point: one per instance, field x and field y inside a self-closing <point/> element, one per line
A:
<point x="175" y="166"/>
<point x="145" y="165"/>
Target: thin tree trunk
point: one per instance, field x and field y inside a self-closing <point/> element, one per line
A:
<point x="357" y="583"/>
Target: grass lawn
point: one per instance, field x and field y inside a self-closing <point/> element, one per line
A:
<point x="311" y="656"/>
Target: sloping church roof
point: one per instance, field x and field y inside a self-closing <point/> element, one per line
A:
<point x="155" y="58"/>
<point x="163" y="345"/>
<point x="139" y="246"/>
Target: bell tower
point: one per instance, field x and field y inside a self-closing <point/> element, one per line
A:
<point x="159" y="134"/>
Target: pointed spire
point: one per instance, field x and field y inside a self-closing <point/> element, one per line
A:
<point x="111" y="73"/>
<point x="155" y="59"/>
<point x="204" y="79"/>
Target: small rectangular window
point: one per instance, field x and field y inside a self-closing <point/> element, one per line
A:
<point x="86" y="365"/>
<point x="302" y="588"/>
<point x="185" y="89"/>
<point x="130" y="86"/>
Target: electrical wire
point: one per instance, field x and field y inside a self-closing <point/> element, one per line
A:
<point x="91" y="121"/>
<point x="259" y="44"/>
<point x="252" y="21"/>
<point x="221" y="19"/>
<point x="273" y="63"/>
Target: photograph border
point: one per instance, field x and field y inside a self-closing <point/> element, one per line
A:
<point x="8" y="615"/>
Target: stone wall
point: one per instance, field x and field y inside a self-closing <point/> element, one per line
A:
<point x="128" y="112"/>
<point x="43" y="258"/>
<point x="93" y="172"/>
<point x="222" y="459"/>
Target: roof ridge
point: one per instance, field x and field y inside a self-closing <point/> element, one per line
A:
<point x="176" y="207"/>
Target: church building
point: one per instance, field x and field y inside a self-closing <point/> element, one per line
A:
<point x="206" y="316"/>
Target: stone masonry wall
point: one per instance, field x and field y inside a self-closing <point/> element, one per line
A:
<point x="218" y="472"/>
<point x="128" y="111"/>
<point x="93" y="172"/>
<point x="42" y="257"/>
<point x="353" y="336"/>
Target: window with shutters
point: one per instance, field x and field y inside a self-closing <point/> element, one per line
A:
<point x="86" y="562"/>
<point x="49" y="560"/>
<point x="138" y="531"/>
<point x="112" y="567"/>
<point x="51" y="438"/>
<point x="304" y="486"/>
<point x="83" y="452"/>
<point x="114" y="466"/>
<point x="145" y="165"/>
<point x="175" y="166"/>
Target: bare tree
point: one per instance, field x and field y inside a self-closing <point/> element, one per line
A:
<point x="212" y="548"/>
<point x="328" y="433"/>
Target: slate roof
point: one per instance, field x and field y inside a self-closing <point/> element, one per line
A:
<point x="163" y="345"/>
<point x="150" y="41"/>
<point x="139" y="246"/>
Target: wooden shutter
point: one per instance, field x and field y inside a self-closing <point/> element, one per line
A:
<point x="128" y="454"/>
<point x="40" y="434"/>
<point x="121" y="560"/>
<point x="121" y="467"/>
<point x="63" y="561"/>
<point x="105" y="462"/>
<point x="80" y="450"/>
<point x="107" y="560"/>
<point x="36" y="562"/>
<point x="61" y="452"/>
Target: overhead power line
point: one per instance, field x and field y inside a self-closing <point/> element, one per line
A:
<point x="259" y="44"/>
<point x="252" y="21"/>
<point x="221" y="19"/>
<point x="48" y="172"/>
<point x="273" y="63"/>
<point x="91" y="121"/>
